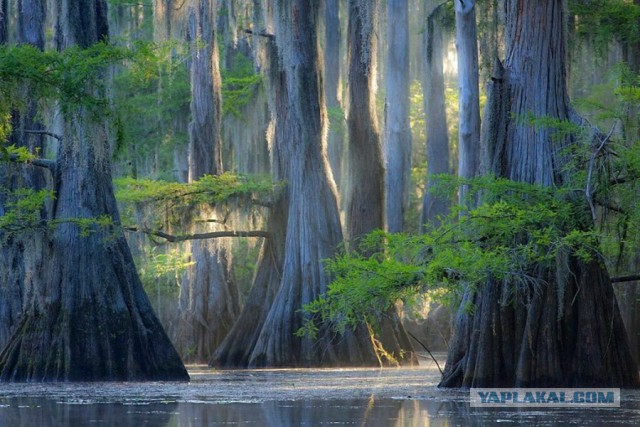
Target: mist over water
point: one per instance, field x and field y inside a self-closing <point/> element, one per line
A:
<point x="286" y="397"/>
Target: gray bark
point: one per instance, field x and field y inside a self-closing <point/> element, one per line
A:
<point x="204" y="129"/>
<point x="4" y="21"/>
<point x="332" y="59"/>
<point x="469" y="96"/>
<point x="209" y="301"/>
<point x="435" y="115"/>
<point x="397" y="135"/>
<point x="567" y="330"/>
<point x="365" y="197"/>
<point x="365" y="189"/>
<point x="236" y="349"/>
<point x="313" y="225"/>
<point x="22" y="254"/>
<point x="87" y="308"/>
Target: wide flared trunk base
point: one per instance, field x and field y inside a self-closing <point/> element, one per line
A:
<point x="91" y="321"/>
<point x="568" y="335"/>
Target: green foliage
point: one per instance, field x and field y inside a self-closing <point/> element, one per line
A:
<point x="151" y="97"/>
<point x="239" y="85"/>
<point x="607" y="20"/>
<point x="516" y="233"/>
<point x="160" y="271"/>
<point x="22" y="210"/>
<point x="72" y="77"/>
<point x="171" y="201"/>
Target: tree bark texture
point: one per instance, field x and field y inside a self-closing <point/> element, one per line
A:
<point x="332" y="59"/>
<point x="397" y="134"/>
<point x="22" y="254"/>
<point x="469" y="95"/>
<point x="87" y="318"/>
<point x="313" y="227"/>
<point x="434" y="205"/>
<point x="365" y="190"/>
<point x="236" y="349"/>
<point x="204" y="129"/>
<point x="566" y="329"/>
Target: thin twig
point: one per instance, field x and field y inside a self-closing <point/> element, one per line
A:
<point x="425" y="347"/>
<point x="592" y="161"/>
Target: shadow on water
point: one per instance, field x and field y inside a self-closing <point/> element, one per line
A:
<point x="335" y="397"/>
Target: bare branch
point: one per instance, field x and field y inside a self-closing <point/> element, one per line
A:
<point x="261" y="34"/>
<point x="44" y="132"/>
<point x="631" y="278"/>
<point x="41" y="163"/>
<point x="199" y="236"/>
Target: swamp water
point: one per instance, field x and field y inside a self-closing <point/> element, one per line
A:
<point x="288" y="397"/>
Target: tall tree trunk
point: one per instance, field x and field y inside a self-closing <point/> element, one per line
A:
<point x="365" y="196"/>
<point x="434" y="205"/>
<point x="365" y="190"/>
<point x="568" y="331"/>
<point x="236" y="349"/>
<point x="209" y="301"/>
<point x="397" y="135"/>
<point x="23" y="253"/>
<point x="313" y="225"/>
<point x="88" y="317"/>
<point x="332" y="59"/>
<point x="469" y="111"/>
<point x="4" y="21"/>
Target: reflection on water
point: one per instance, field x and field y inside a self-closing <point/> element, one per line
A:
<point x="335" y="397"/>
<point x="383" y="412"/>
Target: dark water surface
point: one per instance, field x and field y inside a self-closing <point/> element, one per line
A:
<point x="290" y="397"/>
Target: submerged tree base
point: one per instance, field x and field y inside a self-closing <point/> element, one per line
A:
<point x="90" y="320"/>
<point x="561" y="336"/>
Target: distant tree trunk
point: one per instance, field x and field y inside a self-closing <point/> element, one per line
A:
<point x="23" y="253"/>
<point x="209" y="302"/>
<point x="397" y="135"/>
<point x="236" y="349"/>
<point x="365" y="190"/>
<point x="88" y="318"/>
<point x="435" y="114"/>
<point x="567" y="330"/>
<point x="365" y="196"/>
<point x="469" y="110"/>
<point x="4" y="21"/>
<point x="313" y="225"/>
<point x="332" y="59"/>
<point x="204" y="129"/>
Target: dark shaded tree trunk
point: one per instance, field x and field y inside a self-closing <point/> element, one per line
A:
<point x="87" y="318"/>
<point x="22" y="254"/>
<point x="397" y="134"/>
<point x="566" y="330"/>
<point x="4" y="21"/>
<point x="434" y="205"/>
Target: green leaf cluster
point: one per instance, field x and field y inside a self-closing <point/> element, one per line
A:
<point x="240" y="84"/>
<point x="22" y="210"/>
<point x="516" y="232"/>
<point x="172" y="200"/>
